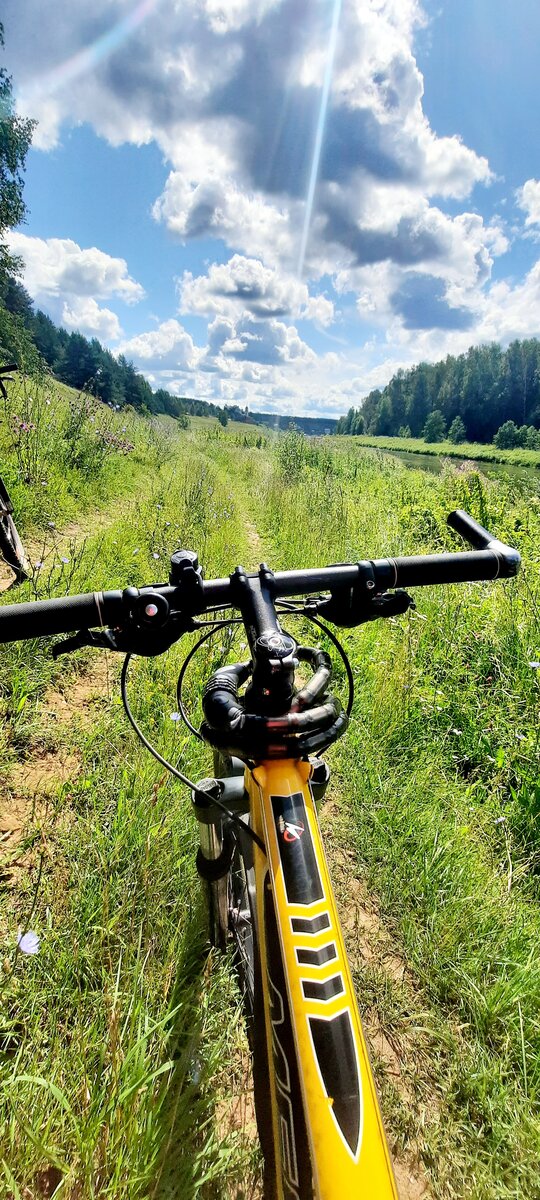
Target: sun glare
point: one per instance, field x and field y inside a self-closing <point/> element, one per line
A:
<point x="319" y="135"/>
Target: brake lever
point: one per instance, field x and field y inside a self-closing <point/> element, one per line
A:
<point x="130" y="638"/>
<point x="85" y="637"/>
<point x="348" y="609"/>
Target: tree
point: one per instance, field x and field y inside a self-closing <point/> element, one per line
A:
<point x="223" y="417"/>
<point x="434" y="428"/>
<point x="507" y="436"/>
<point x="384" y="425"/>
<point x="46" y="337"/>
<point x="457" y="432"/>
<point x="80" y="362"/>
<point x="15" y="139"/>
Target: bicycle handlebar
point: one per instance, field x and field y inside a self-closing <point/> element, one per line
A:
<point x="491" y="559"/>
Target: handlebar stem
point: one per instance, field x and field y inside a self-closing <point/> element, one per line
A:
<point x="273" y="652"/>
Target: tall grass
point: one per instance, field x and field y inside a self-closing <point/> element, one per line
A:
<point x="440" y="773"/>
<point x="113" y="1038"/>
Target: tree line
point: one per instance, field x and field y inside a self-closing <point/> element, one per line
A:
<point x="471" y="397"/>
<point x="31" y="337"/>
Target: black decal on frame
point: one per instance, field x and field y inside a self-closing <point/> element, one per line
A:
<point x="334" y="1046"/>
<point x="313" y="990"/>
<point x="293" y="1134"/>
<point x="310" y="925"/>
<point x="317" y="958"/>
<point x="303" y="883"/>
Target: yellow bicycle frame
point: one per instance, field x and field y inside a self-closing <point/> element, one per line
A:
<point x="348" y="1150"/>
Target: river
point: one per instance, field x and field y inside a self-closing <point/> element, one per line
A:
<point x="493" y="470"/>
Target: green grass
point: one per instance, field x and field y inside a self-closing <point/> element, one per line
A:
<point x="474" y="450"/>
<point x="117" y="1036"/>
<point x="439" y="775"/>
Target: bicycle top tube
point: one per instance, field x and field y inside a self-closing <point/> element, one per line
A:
<point x="188" y="595"/>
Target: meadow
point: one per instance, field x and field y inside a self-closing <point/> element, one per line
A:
<point x="478" y="451"/>
<point x="121" y="1045"/>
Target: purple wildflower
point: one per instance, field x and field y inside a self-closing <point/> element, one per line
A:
<point x="28" y="942"/>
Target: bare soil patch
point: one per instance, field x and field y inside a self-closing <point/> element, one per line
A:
<point x="79" y="698"/>
<point x="43" y="774"/>
<point x="254" y="538"/>
<point x="29" y="785"/>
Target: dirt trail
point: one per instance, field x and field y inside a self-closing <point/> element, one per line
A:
<point x="30" y="785"/>
<point x="254" y="539"/>
<point x="41" y="545"/>
<point x="369" y="943"/>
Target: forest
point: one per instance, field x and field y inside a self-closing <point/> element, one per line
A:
<point x="472" y="397"/>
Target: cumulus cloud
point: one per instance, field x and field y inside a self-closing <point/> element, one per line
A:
<point x="528" y="198"/>
<point x="58" y="267"/>
<point x="169" y="347"/>
<point x="268" y="342"/>
<point x="246" y="284"/>
<point x="88" y="318"/>
<point x="421" y="302"/>
<point x="235" y="107"/>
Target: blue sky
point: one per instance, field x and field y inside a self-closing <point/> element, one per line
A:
<point x="169" y="186"/>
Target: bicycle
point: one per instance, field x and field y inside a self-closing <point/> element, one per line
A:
<point x="11" y="547"/>
<point x="260" y="851"/>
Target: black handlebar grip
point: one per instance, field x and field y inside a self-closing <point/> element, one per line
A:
<point x="507" y="557"/>
<point x="40" y="618"/>
<point x="470" y="530"/>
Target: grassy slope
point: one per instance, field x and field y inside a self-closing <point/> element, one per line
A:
<point x="474" y="450"/>
<point x="116" y="1027"/>
<point x="443" y="743"/>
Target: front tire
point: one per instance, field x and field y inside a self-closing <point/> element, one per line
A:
<point x="11" y="547"/>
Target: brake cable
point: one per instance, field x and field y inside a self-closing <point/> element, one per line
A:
<point x="305" y="612"/>
<point x="174" y="770"/>
<point x="215" y="625"/>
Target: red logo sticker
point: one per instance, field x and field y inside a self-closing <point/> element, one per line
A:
<point x="290" y="831"/>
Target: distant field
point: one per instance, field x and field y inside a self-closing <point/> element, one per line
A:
<point x="477" y="450"/>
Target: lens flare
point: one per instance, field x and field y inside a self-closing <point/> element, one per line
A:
<point x="89" y="58"/>
<point x="319" y="134"/>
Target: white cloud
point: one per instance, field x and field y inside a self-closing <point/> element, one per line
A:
<point x="528" y="198"/>
<point x="88" y="318"/>
<point x="169" y="347"/>
<point x="267" y="342"/>
<point x="234" y="107"/>
<point x="227" y="15"/>
<point x="58" y="267"/>
<point x="246" y="284"/>
<point x="214" y="205"/>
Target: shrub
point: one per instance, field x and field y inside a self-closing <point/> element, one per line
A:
<point x="89" y="436"/>
<point x="507" y="436"/>
<point x="457" y="432"/>
<point x="292" y="453"/>
<point x="435" y="427"/>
